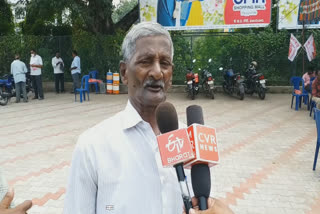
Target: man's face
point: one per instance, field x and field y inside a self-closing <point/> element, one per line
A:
<point x="149" y="72"/>
<point x="32" y="53"/>
<point x="58" y="55"/>
<point x="73" y="55"/>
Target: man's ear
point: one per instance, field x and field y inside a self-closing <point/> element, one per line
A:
<point x="123" y="72"/>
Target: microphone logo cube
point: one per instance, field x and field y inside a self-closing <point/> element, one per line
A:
<point x="204" y="144"/>
<point x="175" y="147"/>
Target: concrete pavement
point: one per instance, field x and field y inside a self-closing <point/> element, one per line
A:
<point x="266" y="149"/>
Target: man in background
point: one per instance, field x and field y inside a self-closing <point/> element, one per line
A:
<point x="58" y="66"/>
<point x="19" y="70"/>
<point x="75" y="70"/>
<point x="35" y="70"/>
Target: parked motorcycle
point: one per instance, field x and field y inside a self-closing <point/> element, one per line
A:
<point x="233" y="83"/>
<point x="208" y="82"/>
<point x="7" y="88"/>
<point x="255" y="82"/>
<point x="192" y="83"/>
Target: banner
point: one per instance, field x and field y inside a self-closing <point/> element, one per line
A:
<point x="206" y="14"/>
<point x="293" y="14"/>
<point x="310" y="48"/>
<point x="293" y="47"/>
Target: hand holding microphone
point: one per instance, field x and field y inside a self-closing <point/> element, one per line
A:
<point x="215" y="206"/>
<point x="204" y="143"/>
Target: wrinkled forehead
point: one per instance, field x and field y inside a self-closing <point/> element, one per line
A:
<point x="153" y="45"/>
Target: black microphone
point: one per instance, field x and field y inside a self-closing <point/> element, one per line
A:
<point x="200" y="173"/>
<point x="167" y="120"/>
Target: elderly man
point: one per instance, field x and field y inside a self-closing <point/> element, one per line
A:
<point x="19" y="70"/>
<point x="117" y="168"/>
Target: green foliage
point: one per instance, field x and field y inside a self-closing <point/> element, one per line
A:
<point x="122" y="9"/>
<point x="269" y="49"/>
<point x="102" y="52"/>
<point x="6" y="18"/>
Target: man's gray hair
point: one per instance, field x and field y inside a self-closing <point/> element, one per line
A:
<point x="143" y="29"/>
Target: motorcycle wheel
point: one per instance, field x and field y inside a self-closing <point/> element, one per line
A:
<point x="193" y="94"/>
<point x="241" y="92"/>
<point x="262" y="93"/>
<point x="224" y="87"/>
<point x="3" y="100"/>
<point x="211" y="94"/>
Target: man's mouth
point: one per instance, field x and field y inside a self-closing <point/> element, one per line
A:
<point x="154" y="87"/>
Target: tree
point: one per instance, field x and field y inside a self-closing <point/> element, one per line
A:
<point x="6" y="18"/>
<point x="94" y="16"/>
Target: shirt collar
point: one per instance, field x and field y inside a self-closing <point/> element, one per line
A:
<point x="130" y="117"/>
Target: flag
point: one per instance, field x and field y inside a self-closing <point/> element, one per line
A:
<point x="310" y="48"/>
<point x="293" y="47"/>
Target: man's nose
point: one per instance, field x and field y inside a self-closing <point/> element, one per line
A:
<point x="156" y="72"/>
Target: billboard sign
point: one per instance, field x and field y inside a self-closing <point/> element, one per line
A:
<point x="294" y="13"/>
<point x="206" y="14"/>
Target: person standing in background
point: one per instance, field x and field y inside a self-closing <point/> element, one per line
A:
<point x="75" y="70"/>
<point x="58" y="65"/>
<point x="35" y="68"/>
<point x="19" y="70"/>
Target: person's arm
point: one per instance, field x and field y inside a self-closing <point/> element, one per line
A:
<point x="25" y="70"/>
<point x="82" y="184"/>
<point x="39" y="63"/>
<point x="73" y="65"/>
<point x="54" y="64"/>
<point x="314" y="90"/>
<point x="11" y="69"/>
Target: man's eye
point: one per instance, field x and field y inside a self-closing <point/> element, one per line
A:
<point x="144" y="61"/>
<point x="166" y="63"/>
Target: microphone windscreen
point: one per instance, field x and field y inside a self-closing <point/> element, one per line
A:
<point x="201" y="180"/>
<point x="194" y="115"/>
<point x="167" y="118"/>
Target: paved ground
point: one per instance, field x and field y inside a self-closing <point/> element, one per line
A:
<point x="266" y="149"/>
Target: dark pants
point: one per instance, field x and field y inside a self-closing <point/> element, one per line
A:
<point x="76" y="81"/>
<point x="37" y="86"/>
<point x="21" y="87"/>
<point x="59" y="81"/>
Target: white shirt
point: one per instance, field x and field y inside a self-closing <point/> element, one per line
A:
<point x="18" y="70"/>
<point x="56" y="68"/>
<point x="35" y="60"/>
<point x="76" y="63"/>
<point x="116" y="169"/>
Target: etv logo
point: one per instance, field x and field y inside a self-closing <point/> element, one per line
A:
<point x="177" y="143"/>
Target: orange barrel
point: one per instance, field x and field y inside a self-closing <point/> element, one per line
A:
<point x="116" y="83"/>
<point x="115" y="88"/>
<point x="109" y="82"/>
<point x="116" y="78"/>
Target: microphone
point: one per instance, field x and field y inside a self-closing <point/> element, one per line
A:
<point x="204" y="145"/>
<point x="174" y="146"/>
